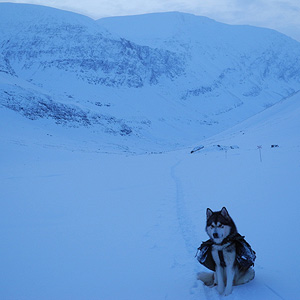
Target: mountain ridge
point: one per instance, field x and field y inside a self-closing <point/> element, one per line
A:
<point x="168" y="87"/>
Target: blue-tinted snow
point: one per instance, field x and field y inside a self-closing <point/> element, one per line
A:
<point x="85" y="215"/>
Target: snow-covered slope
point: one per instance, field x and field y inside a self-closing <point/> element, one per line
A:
<point x="242" y="60"/>
<point x="83" y="225"/>
<point x="71" y="62"/>
<point x="143" y="83"/>
<point x="51" y="41"/>
<point x="275" y="127"/>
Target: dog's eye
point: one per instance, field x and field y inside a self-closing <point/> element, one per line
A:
<point x="221" y="226"/>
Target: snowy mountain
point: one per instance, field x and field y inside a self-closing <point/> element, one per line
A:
<point x="142" y="83"/>
<point x="241" y="60"/>
<point x="50" y="40"/>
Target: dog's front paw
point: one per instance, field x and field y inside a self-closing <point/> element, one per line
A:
<point x="220" y="289"/>
<point x="227" y="291"/>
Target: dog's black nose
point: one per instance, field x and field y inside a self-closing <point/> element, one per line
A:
<point x="215" y="235"/>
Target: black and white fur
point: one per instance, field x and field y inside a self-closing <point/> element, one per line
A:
<point x="220" y="226"/>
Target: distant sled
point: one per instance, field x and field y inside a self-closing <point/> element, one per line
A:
<point x="198" y="148"/>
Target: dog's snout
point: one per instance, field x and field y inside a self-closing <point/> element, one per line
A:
<point x="215" y="235"/>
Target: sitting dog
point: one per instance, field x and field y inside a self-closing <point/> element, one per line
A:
<point x="226" y="253"/>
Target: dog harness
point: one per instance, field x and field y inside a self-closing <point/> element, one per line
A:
<point x="221" y="257"/>
<point x="245" y="256"/>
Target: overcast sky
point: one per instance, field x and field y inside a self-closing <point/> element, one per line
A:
<point x="282" y="15"/>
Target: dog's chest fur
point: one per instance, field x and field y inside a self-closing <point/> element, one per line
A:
<point x="229" y="254"/>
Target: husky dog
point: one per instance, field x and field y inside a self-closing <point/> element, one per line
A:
<point x="226" y="253"/>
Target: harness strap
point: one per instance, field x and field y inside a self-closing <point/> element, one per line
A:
<point x="231" y="238"/>
<point x="221" y="257"/>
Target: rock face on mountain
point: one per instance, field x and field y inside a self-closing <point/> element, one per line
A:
<point x="168" y="78"/>
<point x="57" y="40"/>
<point x="242" y="59"/>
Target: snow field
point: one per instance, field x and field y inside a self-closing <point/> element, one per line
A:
<point x="88" y="227"/>
<point x="102" y="226"/>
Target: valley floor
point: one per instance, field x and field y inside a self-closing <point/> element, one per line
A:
<point x="80" y="225"/>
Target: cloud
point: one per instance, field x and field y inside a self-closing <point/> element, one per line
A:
<point x="283" y="16"/>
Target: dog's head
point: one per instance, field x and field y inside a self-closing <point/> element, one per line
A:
<point x="219" y="225"/>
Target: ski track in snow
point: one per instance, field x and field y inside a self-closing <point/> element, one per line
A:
<point x="197" y="289"/>
<point x="189" y="235"/>
<point x="185" y="224"/>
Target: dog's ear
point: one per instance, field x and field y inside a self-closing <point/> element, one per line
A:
<point x="209" y="213"/>
<point x="225" y="213"/>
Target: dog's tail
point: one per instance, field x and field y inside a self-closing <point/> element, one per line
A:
<point x="207" y="278"/>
